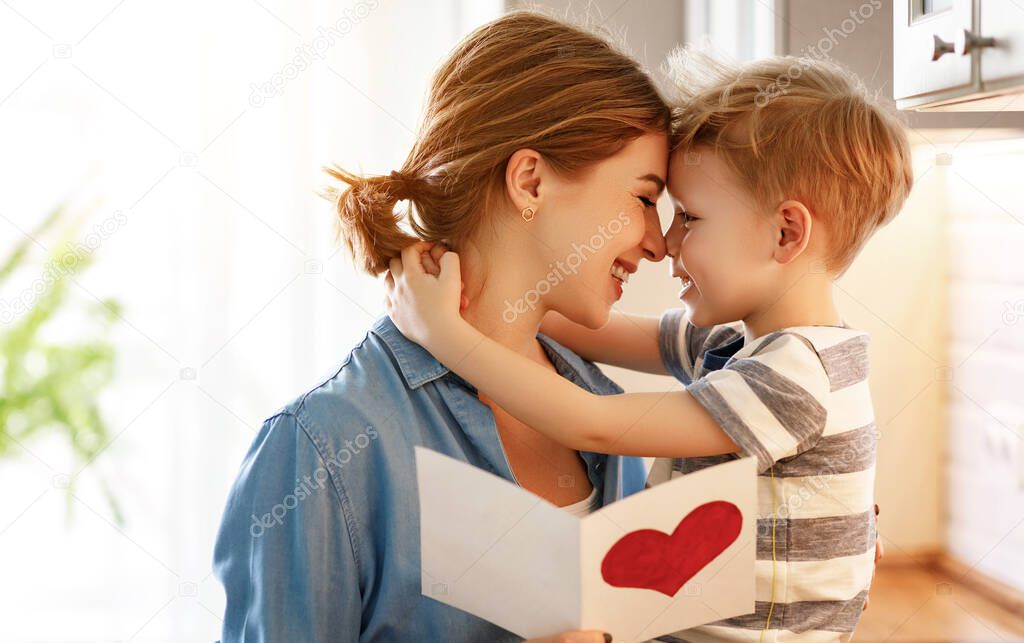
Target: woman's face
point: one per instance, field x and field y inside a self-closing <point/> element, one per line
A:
<point x="593" y="229"/>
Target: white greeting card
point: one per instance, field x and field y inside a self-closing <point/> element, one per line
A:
<point x="675" y="556"/>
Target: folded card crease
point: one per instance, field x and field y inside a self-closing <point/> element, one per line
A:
<point x="674" y="556"/>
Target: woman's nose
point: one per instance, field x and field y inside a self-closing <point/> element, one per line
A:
<point x="653" y="243"/>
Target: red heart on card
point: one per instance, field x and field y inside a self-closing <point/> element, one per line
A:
<point x="652" y="559"/>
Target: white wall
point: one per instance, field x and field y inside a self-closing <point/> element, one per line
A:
<point x="985" y="449"/>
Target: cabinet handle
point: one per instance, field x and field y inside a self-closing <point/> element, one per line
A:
<point x="940" y="47"/>
<point x="969" y="41"/>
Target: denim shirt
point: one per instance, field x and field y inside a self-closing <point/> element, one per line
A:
<point x="320" y="538"/>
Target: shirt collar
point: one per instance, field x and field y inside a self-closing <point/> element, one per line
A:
<point x="419" y="367"/>
<point x="716" y="358"/>
<point x="416" y="364"/>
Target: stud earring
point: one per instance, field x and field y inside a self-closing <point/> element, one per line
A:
<point x="528" y="213"/>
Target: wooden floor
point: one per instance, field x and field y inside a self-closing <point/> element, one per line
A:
<point x="920" y="604"/>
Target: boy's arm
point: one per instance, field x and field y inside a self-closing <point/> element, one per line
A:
<point x="627" y="341"/>
<point x="670" y="424"/>
<point x="426" y="309"/>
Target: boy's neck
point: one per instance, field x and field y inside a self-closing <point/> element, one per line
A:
<point x="807" y="301"/>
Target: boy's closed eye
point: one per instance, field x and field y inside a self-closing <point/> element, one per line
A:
<point x="686" y="217"/>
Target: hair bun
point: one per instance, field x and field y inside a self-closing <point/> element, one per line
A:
<point x="401" y="184"/>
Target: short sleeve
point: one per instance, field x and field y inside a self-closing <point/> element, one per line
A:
<point x="771" y="403"/>
<point x="682" y="345"/>
<point x="670" y="347"/>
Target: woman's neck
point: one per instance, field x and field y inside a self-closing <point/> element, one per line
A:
<point x="498" y="303"/>
<point x="500" y="308"/>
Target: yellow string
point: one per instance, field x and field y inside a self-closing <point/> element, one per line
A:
<point x="771" y="605"/>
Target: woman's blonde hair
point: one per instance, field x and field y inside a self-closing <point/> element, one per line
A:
<point x="522" y="81"/>
<point x="798" y="128"/>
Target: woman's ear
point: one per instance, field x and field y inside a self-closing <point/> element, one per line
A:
<point x="793" y="229"/>
<point x="522" y="178"/>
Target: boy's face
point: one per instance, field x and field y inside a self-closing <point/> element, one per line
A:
<point x="720" y="244"/>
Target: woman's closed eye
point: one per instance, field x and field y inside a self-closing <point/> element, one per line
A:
<point x="647" y="202"/>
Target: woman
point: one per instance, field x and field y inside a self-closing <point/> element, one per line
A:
<point x="539" y="159"/>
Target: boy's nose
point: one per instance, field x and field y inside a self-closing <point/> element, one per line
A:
<point x="673" y="237"/>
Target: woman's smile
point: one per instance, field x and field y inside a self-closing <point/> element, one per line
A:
<point x="620" y="272"/>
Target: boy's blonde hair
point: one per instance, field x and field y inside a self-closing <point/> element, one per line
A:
<point x="798" y="128"/>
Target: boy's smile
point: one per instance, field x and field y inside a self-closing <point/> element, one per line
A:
<point x="687" y="284"/>
<point x="676" y="268"/>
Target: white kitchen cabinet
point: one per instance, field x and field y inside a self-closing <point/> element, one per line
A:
<point x="958" y="55"/>
<point x="1003" y="20"/>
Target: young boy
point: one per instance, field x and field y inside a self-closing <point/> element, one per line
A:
<point x="780" y="172"/>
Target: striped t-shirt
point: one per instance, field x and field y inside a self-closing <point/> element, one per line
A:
<point x="797" y="400"/>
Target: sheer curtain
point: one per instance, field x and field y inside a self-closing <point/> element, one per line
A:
<point x="201" y="127"/>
